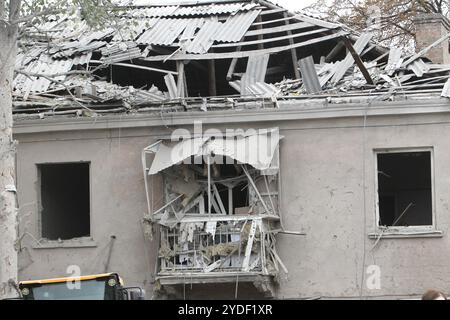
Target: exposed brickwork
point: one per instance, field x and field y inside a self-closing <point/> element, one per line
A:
<point x="429" y="28"/>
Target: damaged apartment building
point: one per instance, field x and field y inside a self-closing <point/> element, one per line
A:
<point x="234" y="149"/>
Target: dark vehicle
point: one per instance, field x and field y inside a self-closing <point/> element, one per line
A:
<point x="107" y="286"/>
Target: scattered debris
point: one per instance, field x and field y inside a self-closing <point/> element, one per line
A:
<point x="197" y="56"/>
<point x="217" y="220"/>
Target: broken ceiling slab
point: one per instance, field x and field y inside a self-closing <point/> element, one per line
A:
<point x="236" y="26"/>
<point x="254" y="148"/>
<point x="174" y="152"/>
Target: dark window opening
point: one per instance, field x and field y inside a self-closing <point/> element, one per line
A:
<point x="65" y="204"/>
<point x="223" y="176"/>
<point x="404" y="189"/>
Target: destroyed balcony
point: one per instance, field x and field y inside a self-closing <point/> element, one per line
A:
<point x="221" y="212"/>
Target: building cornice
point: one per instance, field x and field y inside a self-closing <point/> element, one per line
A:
<point x="287" y="111"/>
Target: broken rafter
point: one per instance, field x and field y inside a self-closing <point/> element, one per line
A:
<point x="295" y="26"/>
<point x="334" y="52"/>
<point x="259" y="23"/>
<point x="358" y="60"/>
<point x="232" y="66"/>
<point x="135" y="66"/>
<point x="289" y="37"/>
<point x="243" y="54"/>
<point x="293" y="50"/>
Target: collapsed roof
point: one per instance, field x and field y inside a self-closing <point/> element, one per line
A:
<point x="165" y="58"/>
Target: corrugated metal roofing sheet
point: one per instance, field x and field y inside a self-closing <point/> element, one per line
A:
<point x="132" y="29"/>
<point x="345" y="64"/>
<point x="309" y="75"/>
<point x="47" y="66"/>
<point x="163" y="32"/>
<point x="194" y="10"/>
<point x="395" y="60"/>
<point x="257" y="67"/>
<point x="191" y="28"/>
<point x="262" y="89"/>
<point x="204" y="38"/>
<point x="95" y="35"/>
<point x="446" y="89"/>
<point x="165" y="11"/>
<point x="82" y="59"/>
<point x="23" y="59"/>
<point x="128" y="54"/>
<point x="236" y="26"/>
<point x="419" y="67"/>
<point x="70" y="30"/>
<point x="117" y="48"/>
<point x="211" y="9"/>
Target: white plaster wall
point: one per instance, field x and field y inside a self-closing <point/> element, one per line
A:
<point x="323" y="194"/>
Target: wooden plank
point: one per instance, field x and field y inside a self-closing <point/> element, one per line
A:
<point x="272" y="11"/>
<point x="260" y="37"/>
<point x="212" y="89"/>
<point x="232" y="66"/>
<point x="333" y="53"/>
<point x="248" y="249"/>
<point x="171" y="86"/>
<point x="243" y="54"/>
<point x="319" y="23"/>
<point x="344" y="65"/>
<point x="180" y="80"/>
<point x="358" y="60"/>
<point x="218" y="199"/>
<point x="293" y="52"/>
<point x="370" y="48"/>
<point x="294" y="26"/>
<point x="253" y="42"/>
<point x="272" y="21"/>
<point x="135" y="66"/>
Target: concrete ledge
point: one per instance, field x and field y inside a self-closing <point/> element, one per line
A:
<point x="211" y="277"/>
<point x="412" y="234"/>
<point x="289" y="110"/>
<point x="72" y="243"/>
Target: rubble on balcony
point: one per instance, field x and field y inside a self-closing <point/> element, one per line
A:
<point x="221" y="211"/>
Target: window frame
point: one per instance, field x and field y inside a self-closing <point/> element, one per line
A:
<point x="63" y="242"/>
<point x="393" y="230"/>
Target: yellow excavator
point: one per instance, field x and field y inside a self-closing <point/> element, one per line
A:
<point x="105" y="286"/>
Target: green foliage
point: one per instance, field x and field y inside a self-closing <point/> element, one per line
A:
<point x="96" y="13"/>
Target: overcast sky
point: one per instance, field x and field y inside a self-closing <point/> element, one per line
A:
<point x="289" y="4"/>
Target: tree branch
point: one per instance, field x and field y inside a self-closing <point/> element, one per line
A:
<point x="35" y="15"/>
<point x="68" y="73"/>
<point x="52" y="79"/>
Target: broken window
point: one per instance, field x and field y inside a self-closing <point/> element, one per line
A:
<point x="221" y="204"/>
<point x="405" y="189"/>
<point x="65" y="204"/>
